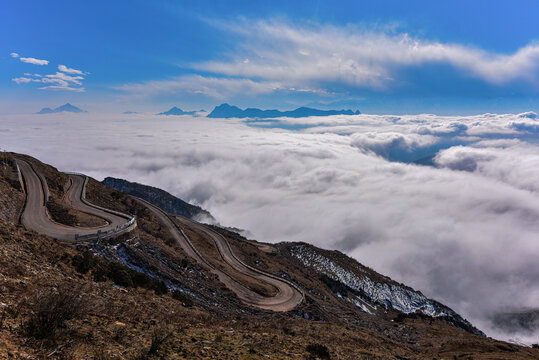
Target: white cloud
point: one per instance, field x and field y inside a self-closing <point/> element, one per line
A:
<point x="467" y="238"/>
<point x="282" y="52"/>
<point x="21" y="80"/>
<point x="214" y="87"/>
<point x="509" y="161"/>
<point x="58" y="81"/>
<point x="63" y="87"/>
<point x="67" y="70"/>
<point x="64" y="79"/>
<point x="14" y="55"/>
<point x="34" y="61"/>
<point x="381" y="143"/>
<point x="325" y="59"/>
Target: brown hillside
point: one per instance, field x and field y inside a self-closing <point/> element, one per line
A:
<point x="140" y="296"/>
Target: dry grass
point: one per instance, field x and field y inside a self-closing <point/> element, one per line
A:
<point x="11" y="192"/>
<point x="51" y="308"/>
<point x="123" y="324"/>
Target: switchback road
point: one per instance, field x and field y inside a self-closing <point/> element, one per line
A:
<point x="288" y="295"/>
<point x="35" y="217"/>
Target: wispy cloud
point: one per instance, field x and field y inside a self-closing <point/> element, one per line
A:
<point x="62" y="81"/>
<point x="21" y="80"/>
<point x="66" y="79"/>
<point x="67" y="70"/>
<point x="215" y="87"/>
<point x="326" y="60"/>
<point x="357" y="57"/>
<point x="58" y="81"/>
<point x="63" y="78"/>
<point x="63" y="87"/>
<point x="34" y="61"/>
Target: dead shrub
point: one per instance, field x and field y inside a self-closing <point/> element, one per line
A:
<point x="3" y="316"/>
<point x="60" y="213"/>
<point x="51" y="308"/>
<point x="288" y="331"/>
<point x="159" y="336"/>
<point x="183" y="298"/>
<point x="121" y="334"/>
<point x="103" y="269"/>
<point x="318" y="351"/>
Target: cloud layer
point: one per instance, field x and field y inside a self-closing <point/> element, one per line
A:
<point x="463" y="230"/>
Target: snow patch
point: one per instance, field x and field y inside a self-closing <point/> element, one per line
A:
<point x="390" y="295"/>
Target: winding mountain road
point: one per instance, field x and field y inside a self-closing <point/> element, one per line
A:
<point x="35" y="217"/>
<point x="288" y="295"/>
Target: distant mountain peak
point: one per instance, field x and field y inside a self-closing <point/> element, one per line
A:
<point x="176" y="111"/>
<point x="63" y="108"/>
<point x="68" y="107"/>
<point x="45" y="110"/>
<point x="230" y="111"/>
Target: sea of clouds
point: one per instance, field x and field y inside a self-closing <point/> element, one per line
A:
<point x="463" y="227"/>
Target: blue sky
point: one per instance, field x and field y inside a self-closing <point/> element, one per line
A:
<point x="457" y="57"/>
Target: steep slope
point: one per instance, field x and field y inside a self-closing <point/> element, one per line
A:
<point x="160" y="198"/>
<point x="141" y="295"/>
<point x="369" y="290"/>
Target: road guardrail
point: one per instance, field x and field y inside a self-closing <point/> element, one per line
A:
<point x="130" y="224"/>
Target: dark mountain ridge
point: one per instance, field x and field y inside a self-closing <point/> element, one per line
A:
<point x="230" y="111"/>
<point x="63" y="108"/>
<point x="176" y="111"/>
<point x="160" y="198"/>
